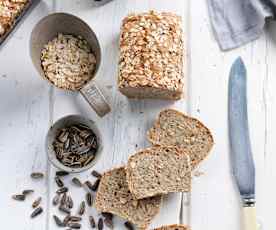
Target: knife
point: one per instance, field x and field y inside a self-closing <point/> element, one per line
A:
<point x="240" y="147"/>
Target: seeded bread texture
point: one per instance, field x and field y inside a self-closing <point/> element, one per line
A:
<point x="158" y="170"/>
<point x="151" y="56"/>
<point x="175" y="128"/>
<point x="173" y="227"/>
<point x="113" y="196"/>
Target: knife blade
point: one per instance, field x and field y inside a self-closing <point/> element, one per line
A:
<point x="241" y="154"/>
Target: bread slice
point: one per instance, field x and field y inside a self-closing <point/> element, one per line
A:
<point x="175" y="128"/>
<point x="158" y="170"/>
<point x="173" y="227"/>
<point x="113" y="196"/>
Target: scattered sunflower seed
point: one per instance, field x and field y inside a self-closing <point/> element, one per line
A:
<point x="59" y="182"/>
<point x="37" y="175"/>
<point x="81" y="208"/>
<point x="66" y="220"/>
<point x="19" y="197"/>
<point x="128" y="225"/>
<point x="88" y="198"/>
<point x="96" y="174"/>
<point x="76" y="182"/>
<point x="58" y="221"/>
<point x="74" y="225"/>
<point x="69" y="202"/>
<point x="95" y="185"/>
<point x="75" y="218"/>
<point x="92" y="222"/>
<point x="27" y="191"/>
<point x="100" y="224"/>
<point x="36" y="212"/>
<point x="37" y="202"/>
<point x="107" y="215"/>
<point x="62" y="173"/>
<point x="108" y="223"/>
<point x="89" y="184"/>
<point x="64" y="209"/>
<point x="56" y="200"/>
<point x="63" y="199"/>
<point x="62" y="190"/>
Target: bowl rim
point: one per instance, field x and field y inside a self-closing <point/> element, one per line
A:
<point x="57" y="125"/>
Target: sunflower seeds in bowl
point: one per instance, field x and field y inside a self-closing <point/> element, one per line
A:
<point x="73" y="143"/>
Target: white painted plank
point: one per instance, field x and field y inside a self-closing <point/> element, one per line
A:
<point x="125" y="128"/>
<point x="215" y="200"/>
<point x="268" y="105"/>
<point x="24" y="115"/>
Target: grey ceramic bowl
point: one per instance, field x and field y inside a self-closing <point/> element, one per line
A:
<point x="67" y="121"/>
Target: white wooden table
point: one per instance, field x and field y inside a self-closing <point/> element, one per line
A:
<point x="28" y="106"/>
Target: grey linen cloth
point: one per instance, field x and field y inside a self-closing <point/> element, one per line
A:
<point x="237" y="22"/>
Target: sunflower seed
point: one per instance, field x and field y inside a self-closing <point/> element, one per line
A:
<point x="129" y="226"/>
<point x="89" y="184"/>
<point x="19" y="197"/>
<point x="69" y="202"/>
<point x="88" y="198"/>
<point x="81" y="208"/>
<point x="37" y="175"/>
<point x="100" y="224"/>
<point x="36" y="212"/>
<point x="63" y="199"/>
<point x="96" y="174"/>
<point x="66" y="220"/>
<point x="62" y="190"/>
<point x="59" y="182"/>
<point x="75" y="218"/>
<point x="64" y="209"/>
<point x="56" y="199"/>
<point x="76" y="182"/>
<point x="58" y="221"/>
<point x="107" y="215"/>
<point x="62" y="173"/>
<point x="95" y="185"/>
<point x="75" y="146"/>
<point x="37" y="202"/>
<point x="74" y="225"/>
<point x="108" y="223"/>
<point x="27" y="191"/>
<point x="92" y="222"/>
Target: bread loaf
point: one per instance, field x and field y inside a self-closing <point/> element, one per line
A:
<point x="158" y="170"/>
<point x="113" y="196"/>
<point x="175" y="128"/>
<point x="151" y="56"/>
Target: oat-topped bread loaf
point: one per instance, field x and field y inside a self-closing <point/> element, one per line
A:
<point x="175" y="128"/>
<point x="151" y="56"/>
<point x="173" y="227"/>
<point x="158" y="170"/>
<point x="113" y="196"/>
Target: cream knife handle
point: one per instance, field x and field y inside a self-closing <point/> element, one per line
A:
<point x="249" y="218"/>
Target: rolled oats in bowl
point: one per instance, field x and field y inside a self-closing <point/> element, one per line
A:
<point x="68" y="61"/>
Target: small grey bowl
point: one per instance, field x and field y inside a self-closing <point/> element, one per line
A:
<point x="64" y="122"/>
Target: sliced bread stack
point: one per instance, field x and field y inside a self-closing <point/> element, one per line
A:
<point x="135" y="191"/>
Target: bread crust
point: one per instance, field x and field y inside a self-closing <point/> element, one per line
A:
<point x="173" y="227"/>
